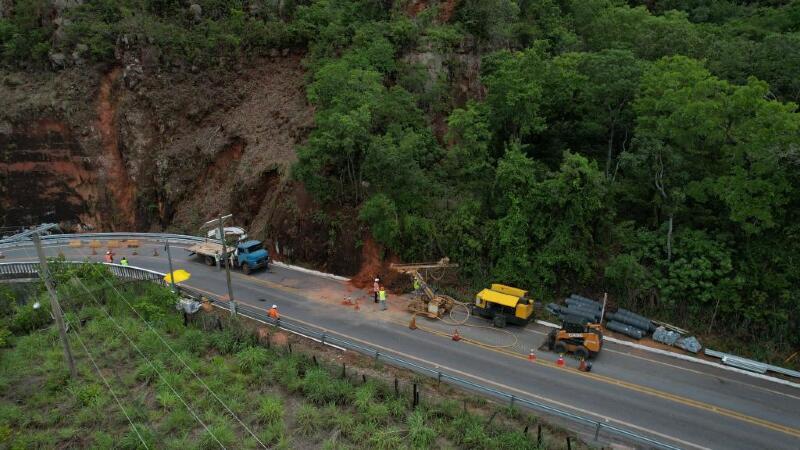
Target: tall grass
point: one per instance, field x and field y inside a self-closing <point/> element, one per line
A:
<point x="307" y="419"/>
<point x="270" y="410"/>
<point x="321" y="388"/>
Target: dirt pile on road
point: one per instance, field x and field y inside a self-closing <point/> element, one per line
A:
<point x="374" y="265"/>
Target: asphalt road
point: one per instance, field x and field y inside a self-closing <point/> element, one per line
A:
<point x="678" y="402"/>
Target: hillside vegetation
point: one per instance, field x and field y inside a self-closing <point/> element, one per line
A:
<point x="147" y="381"/>
<point x="647" y="149"/>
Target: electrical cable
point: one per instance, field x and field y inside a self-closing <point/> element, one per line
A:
<point x="138" y="350"/>
<point x="203" y="383"/>
<point x="105" y="381"/>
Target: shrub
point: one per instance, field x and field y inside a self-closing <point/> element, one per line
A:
<point x="321" y="388"/>
<point x="147" y="372"/>
<point x="419" y="434"/>
<point x="225" y="342"/>
<point x="286" y="372"/>
<point x="307" y="420"/>
<point x="5" y="334"/>
<point x="194" y="341"/>
<point x="252" y="359"/>
<point x="27" y="318"/>
<point x="132" y="439"/>
<point x="513" y="440"/>
<point x="88" y="394"/>
<point x="270" y="410"/>
<point x="386" y="439"/>
<point x="222" y="432"/>
<point x="364" y="396"/>
<point x="178" y="420"/>
<point x="273" y="433"/>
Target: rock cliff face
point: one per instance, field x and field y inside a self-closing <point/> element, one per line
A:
<point x="132" y="147"/>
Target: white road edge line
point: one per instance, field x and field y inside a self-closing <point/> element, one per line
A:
<point x="688" y="358"/>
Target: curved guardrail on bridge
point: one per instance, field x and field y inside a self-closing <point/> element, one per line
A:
<point x="29" y="270"/>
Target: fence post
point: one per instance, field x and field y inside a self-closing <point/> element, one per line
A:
<point x="322" y="338"/>
<point x="512" y="401"/>
<point x="597" y="430"/>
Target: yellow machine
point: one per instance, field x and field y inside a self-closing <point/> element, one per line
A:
<point x="577" y="336"/>
<point x="504" y="304"/>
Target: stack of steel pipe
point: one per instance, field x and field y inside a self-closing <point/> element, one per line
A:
<point x="625" y="329"/>
<point x="630" y="318"/>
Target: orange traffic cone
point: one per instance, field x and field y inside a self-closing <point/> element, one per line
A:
<point x="582" y="365"/>
<point x="560" y="361"/>
<point x="413" y="323"/>
<point x="456" y="336"/>
<point x="531" y="356"/>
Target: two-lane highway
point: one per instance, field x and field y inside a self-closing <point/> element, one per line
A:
<point x="679" y="402"/>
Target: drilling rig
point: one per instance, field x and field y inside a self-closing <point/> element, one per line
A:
<point x="429" y="303"/>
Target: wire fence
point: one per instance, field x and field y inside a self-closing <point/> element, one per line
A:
<point x="30" y="270"/>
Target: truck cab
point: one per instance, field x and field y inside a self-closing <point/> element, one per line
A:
<point x="251" y="255"/>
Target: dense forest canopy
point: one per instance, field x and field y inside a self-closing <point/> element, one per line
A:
<point x="644" y="148"/>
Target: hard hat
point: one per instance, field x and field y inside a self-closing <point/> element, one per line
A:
<point x="376" y="279"/>
<point x="275" y="306"/>
<point x="108" y="252"/>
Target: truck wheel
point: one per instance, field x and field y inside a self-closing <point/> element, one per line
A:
<point x="210" y="261"/>
<point x="582" y="353"/>
<point x="499" y="321"/>
<point x="560" y="347"/>
<point x="246" y="269"/>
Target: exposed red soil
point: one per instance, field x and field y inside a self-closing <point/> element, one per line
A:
<point x="372" y="266"/>
<point x="446" y="12"/>
<point x="119" y="183"/>
<point x="415" y="7"/>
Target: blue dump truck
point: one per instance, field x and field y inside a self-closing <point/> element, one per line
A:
<point x="249" y="255"/>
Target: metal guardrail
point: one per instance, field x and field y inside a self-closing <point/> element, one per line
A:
<point x="749" y="364"/>
<point x="12" y="242"/>
<point x="128" y="272"/>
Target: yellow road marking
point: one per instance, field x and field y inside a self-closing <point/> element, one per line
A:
<point x="467" y="375"/>
<point x="638" y="388"/>
<point x="635" y="387"/>
<point x="655" y="361"/>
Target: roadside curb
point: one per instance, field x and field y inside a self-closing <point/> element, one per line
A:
<point x="309" y="271"/>
<point x="688" y="358"/>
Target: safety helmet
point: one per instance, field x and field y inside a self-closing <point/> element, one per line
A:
<point x="275" y="306"/>
<point x="376" y="279"/>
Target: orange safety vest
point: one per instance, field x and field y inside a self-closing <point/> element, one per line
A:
<point x="109" y="258"/>
<point x="273" y="313"/>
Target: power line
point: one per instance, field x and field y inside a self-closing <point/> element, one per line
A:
<point x="161" y="375"/>
<point x="203" y="383"/>
<point x="105" y="381"/>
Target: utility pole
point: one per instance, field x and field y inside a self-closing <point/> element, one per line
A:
<point x="54" y="305"/>
<point x="225" y="260"/>
<point x="171" y="274"/>
<point x="603" y="312"/>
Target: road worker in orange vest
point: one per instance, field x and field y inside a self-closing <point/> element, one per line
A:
<point x="109" y="257"/>
<point x="273" y="313"/>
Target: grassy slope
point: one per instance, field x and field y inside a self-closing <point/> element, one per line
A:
<point x="286" y="399"/>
